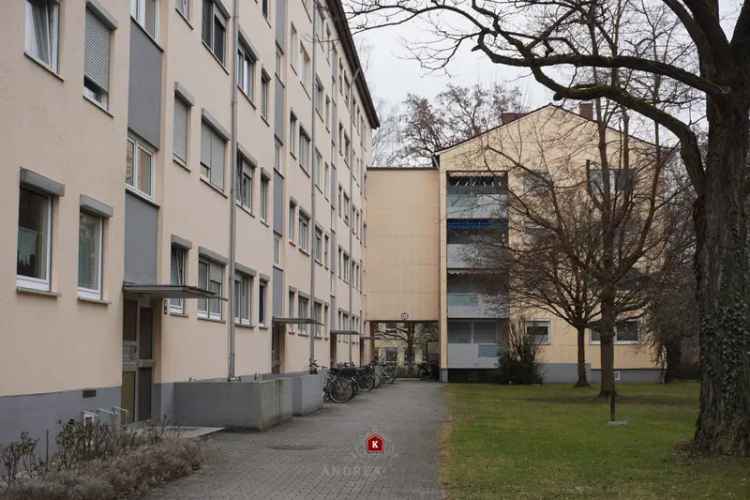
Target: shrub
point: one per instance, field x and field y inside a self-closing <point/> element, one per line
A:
<point x="517" y="358"/>
<point x="94" y="461"/>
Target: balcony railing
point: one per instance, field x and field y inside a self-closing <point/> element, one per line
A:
<point x="476" y="305"/>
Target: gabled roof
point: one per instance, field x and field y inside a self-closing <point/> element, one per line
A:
<point x="526" y="115"/>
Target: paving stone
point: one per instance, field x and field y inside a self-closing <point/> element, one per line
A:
<point x="323" y="455"/>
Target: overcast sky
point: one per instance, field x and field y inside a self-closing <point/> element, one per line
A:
<point x="392" y="74"/>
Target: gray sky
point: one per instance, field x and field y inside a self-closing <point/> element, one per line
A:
<point x="392" y="74"/>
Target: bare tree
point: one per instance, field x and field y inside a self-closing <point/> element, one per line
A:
<point x="582" y="49"/>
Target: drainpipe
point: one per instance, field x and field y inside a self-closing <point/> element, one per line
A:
<point x="356" y="75"/>
<point x="314" y="331"/>
<point x="231" y="375"/>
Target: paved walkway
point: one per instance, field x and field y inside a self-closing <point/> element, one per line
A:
<point x="323" y="456"/>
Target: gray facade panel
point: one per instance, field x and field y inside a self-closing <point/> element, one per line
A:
<point x="278" y="292"/>
<point x="38" y="413"/>
<point x="633" y="376"/>
<point x="144" y="97"/>
<point x="562" y="373"/>
<point x="141" y="223"/>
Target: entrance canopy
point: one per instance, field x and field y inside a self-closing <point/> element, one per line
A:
<point x="170" y="291"/>
<point x="296" y="321"/>
<point x="344" y="332"/>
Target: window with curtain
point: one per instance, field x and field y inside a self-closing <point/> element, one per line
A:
<point x="304" y="232"/>
<point x="246" y="61"/>
<point x="146" y="14"/>
<point x="178" y="276"/>
<point x="97" y="59"/>
<point x="43" y="31"/>
<point x="244" y="189"/>
<point x="242" y="294"/>
<point x="90" y="255"/>
<point x="180" y="132"/>
<point x="139" y="167"/>
<point x="34" y="235"/>
<point x="212" y="156"/>
<point x="302" y="311"/>
<point x="210" y="277"/>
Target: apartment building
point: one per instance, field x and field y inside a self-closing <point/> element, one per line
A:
<point x="425" y="223"/>
<point x="187" y="205"/>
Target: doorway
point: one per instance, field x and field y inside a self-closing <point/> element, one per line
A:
<point x="277" y="348"/>
<point x="137" y="361"/>
<point x="334" y="347"/>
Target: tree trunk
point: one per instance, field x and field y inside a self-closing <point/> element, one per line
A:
<point x="582" y="379"/>
<point x="672" y="360"/>
<point x="607" y="342"/>
<point x="723" y="279"/>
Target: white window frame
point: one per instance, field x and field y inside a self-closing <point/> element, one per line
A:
<point x="93" y="293"/>
<point x="177" y="304"/>
<point x="542" y="322"/>
<point x="246" y="66"/>
<point x="246" y="281"/>
<point x="292" y="222"/>
<point x="303" y="240"/>
<point x="265" y="190"/>
<point x="216" y="13"/>
<point x="24" y="281"/>
<point x="207" y="313"/>
<point x="139" y="147"/>
<point x="318" y="245"/>
<point x="262" y="302"/>
<point x="138" y="13"/>
<point x="179" y="101"/>
<point x="265" y="93"/>
<point x="245" y="170"/>
<point x="52" y="28"/>
<point x="184" y="7"/>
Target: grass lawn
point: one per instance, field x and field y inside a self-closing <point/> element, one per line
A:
<point x="553" y="441"/>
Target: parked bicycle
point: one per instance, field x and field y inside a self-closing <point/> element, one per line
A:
<point x="336" y="388"/>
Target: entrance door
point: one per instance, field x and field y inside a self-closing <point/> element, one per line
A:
<point x="277" y="347"/>
<point x="137" y="361"/>
<point x="334" y="348"/>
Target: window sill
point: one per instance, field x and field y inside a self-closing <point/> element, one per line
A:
<point x="265" y="120"/>
<point x="303" y="251"/>
<point x="292" y="243"/>
<point x="244" y="326"/>
<point x="304" y="170"/>
<point x="218" y="61"/>
<point x="216" y="189"/>
<point x="97" y="106"/>
<point x="261" y="326"/>
<point x="41" y="293"/>
<point x="130" y="189"/>
<point x="244" y="209"/>
<point x="247" y="97"/>
<point x="178" y="314"/>
<point x="264" y="222"/>
<point x="187" y="21"/>
<point x="181" y="163"/>
<point x="90" y="300"/>
<point x="212" y="320"/>
<point x="44" y="66"/>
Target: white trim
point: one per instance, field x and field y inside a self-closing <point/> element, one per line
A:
<point x="93" y="293"/>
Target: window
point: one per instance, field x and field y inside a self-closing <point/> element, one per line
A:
<point x="538" y="330"/>
<point x="317" y="317"/>
<point x="245" y="176"/>
<point x="620" y="180"/>
<point x="262" y="288"/>
<point x="146" y="14"/>
<point x="265" y="8"/>
<point x="293" y="134"/>
<point x="347" y="209"/>
<point x="265" y="90"/>
<point x="43" y="31"/>
<point x="177" y="276"/>
<point x="34" y="235"/>
<point x="212" y="156"/>
<point x="294" y="55"/>
<point x="264" y="183"/>
<point x="318" y="245"/>
<point x="328" y="113"/>
<point x="139" y="169"/>
<point x="304" y="232"/>
<point x="317" y="160"/>
<point x="327" y="180"/>
<point x="97" y="53"/>
<point x="292" y="218"/>
<point x="302" y="311"/>
<point x="214" y="29"/>
<point x="346" y="268"/>
<point x="306" y="76"/>
<point x="347" y="91"/>
<point x="319" y="96"/>
<point x="183" y="7"/>
<point x="210" y="277"/>
<point x="246" y="70"/>
<point x="181" y="121"/>
<point x="290" y="312"/>
<point x="325" y="251"/>
<point x="338" y="204"/>
<point x="242" y="287"/>
<point x="626" y="332"/>
<point x="304" y="149"/>
<point x="90" y="256"/>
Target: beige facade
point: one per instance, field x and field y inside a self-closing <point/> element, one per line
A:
<point x="159" y="85"/>
<point x="553" y="139"/>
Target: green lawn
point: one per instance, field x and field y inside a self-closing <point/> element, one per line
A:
<point x="554" y="442"/>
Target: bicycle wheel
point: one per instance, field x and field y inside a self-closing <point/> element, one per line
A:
<point x="367" y="382"/>
<point x="341" y="391"/>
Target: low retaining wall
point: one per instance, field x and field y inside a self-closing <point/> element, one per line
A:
<point x="244" y="404"/>
<point x="307" y="393"/>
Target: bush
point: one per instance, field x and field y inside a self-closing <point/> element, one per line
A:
<point x="94" y="462"/>
<point x="517" y="359"/>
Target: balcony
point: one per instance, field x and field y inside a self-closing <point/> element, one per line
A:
<point x="477" y="305"/>
<point x="477" y="206"/>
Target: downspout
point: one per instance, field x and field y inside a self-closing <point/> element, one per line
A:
<point x="231" y="375"/>
<point x="314" y="331"/>
<point x="356" y="75"/>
